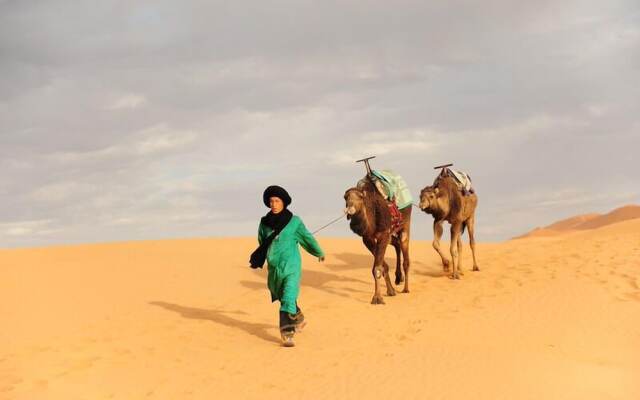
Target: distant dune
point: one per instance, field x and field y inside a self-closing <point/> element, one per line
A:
<point x="586" y="221"/>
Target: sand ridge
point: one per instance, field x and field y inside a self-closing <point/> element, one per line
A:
<point x="586" y="221"/>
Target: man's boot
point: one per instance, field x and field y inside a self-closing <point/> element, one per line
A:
<point x="287" y="329"/>
<point x="298" y="319"/>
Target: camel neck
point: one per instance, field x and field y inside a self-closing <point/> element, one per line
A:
<point x="361" y="223"/>
<point x="438" y="213"/>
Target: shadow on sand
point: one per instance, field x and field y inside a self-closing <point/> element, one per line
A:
<point x="362" y="261"/>
<point x="431" y="272"/>
<point x="320" y="280"/>
<point x="365" y="262"/>
<point x="227" y="318"/>
<point x="349" y="261"/>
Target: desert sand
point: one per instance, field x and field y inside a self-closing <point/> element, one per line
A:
<point x="554" y="317"/>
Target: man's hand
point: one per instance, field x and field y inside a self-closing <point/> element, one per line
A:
<point x="321" y="259"/>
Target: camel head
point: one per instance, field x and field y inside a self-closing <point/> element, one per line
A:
<point x="428" y="198"/>
<point x="354" y="201"/>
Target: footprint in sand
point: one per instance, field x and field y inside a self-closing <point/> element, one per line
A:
<point x="627" y="297"/>
<point x="122" y="351"/>
<point x="630" y="280"/>
<point x="10" y="385"/>
<point x="41" y="383"/>
<point x="39" y="349"/>
<point x="5" y="389"/>
<point x="79" y="365"/>
<point x="14" y="381"/>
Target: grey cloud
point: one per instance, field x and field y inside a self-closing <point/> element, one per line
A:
<point x="157" y="119"/>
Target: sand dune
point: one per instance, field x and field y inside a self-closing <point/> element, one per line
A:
<point x="573" y="223"/>
<point x="557" y="318"/>
<point x="617" y="215"/>
<point x="586" y="221"/>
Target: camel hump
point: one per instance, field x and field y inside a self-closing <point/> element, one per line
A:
<point x="396" y="187"/>
<point x="462" y="179"/>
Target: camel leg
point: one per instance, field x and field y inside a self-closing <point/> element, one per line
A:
<point x="378" y="267"/>
<point x="372" y="249"/>
<point x="437" y="234"/>
<point x="383" y="241"/>
<point x="472" y="241"/>
<point x="391" y="291"/>
<point x="397" y="246"/>
<point x="404" y="243"/>
<point x="455" y="237"/>
<point x="460" y="271"/>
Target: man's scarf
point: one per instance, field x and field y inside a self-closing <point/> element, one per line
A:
<point x="277" y="222"/>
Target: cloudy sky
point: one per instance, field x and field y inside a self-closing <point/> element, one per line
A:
<point x="126" y="120"/>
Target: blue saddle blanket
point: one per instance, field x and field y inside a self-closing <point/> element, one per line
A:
<point x="395" y="187"/>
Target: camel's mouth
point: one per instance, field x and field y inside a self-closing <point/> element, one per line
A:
<point x="424" y="205"/>
<point x="350" y="210"/>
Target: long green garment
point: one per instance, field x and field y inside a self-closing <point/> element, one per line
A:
<point x="284" y="262"/>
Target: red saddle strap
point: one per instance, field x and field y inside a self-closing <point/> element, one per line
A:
<point x="396" y="216"/>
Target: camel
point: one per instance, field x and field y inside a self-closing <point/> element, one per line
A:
<point x="370" y="218"/>
<point x="445" y="202"/>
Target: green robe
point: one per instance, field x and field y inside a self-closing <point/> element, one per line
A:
<point x="284" y="262"/>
